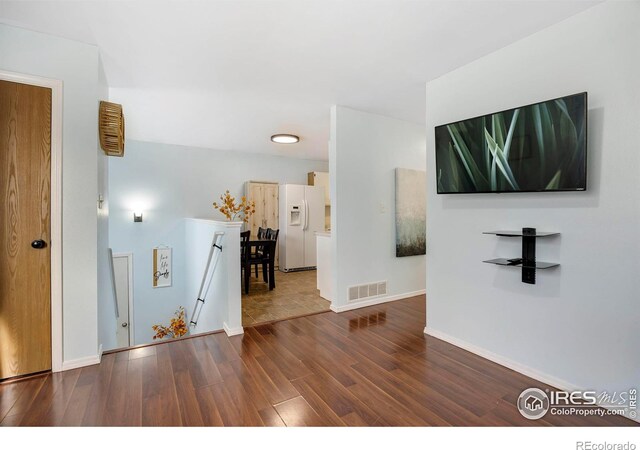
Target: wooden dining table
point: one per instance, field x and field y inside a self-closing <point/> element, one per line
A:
<point x="268" y="248"/>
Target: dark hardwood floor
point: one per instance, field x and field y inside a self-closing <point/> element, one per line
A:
<point x="372" y="366"/>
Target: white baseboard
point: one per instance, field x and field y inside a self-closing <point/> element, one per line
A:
<point x="82" y="362"/>
<point x="232" y="331"/>
<point x="506" y="362"/>
<point x="375" y="301"/>
<point x="100" y="353"/>
<point x="510" y="364"/>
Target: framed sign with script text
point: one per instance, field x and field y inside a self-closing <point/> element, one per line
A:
<point x="162" y="267"/>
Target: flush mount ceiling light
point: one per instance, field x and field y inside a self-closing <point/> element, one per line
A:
<point x="285" y="138"/>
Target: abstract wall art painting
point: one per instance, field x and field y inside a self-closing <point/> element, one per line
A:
<point x="411" y="206"/>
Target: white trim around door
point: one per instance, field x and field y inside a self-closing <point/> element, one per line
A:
<point x="56" y="87"/>
<point x="129" y="257"/>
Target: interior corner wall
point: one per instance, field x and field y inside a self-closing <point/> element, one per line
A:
<point x="364" y="151"/>
<point x="76" y="64"/>
<point x="169" y="183"/>
<point x="578" y="326"/>
<point x="107" y="321"/>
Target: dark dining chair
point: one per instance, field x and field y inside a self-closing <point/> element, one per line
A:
<point x="268" y="260"/>
<point x="264" y="258"/>
<point x="272" y="235"/>
<point x="262" y="234"/>
<point x="264" y="255"/>
<point x="244" y="248"/>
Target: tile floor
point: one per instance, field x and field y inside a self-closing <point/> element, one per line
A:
<point x="295" y="295"/>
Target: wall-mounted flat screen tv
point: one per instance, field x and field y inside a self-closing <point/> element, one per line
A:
<point x="534" y="148"/>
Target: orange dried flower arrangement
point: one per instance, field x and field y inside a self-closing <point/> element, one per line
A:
<point x="231" y="211"/>
<point x="177" y="327"/>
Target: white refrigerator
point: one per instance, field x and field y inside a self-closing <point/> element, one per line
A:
<point x="301" y="215"/>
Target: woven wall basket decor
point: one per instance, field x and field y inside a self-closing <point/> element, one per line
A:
<point x="111" y="128"/>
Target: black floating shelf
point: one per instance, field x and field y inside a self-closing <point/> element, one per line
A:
<point x="521" y="234"/>
<point x="505" y="262"/>
<point x="528" y="261"/>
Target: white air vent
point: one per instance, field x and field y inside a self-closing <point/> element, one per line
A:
<point x="366" y="291"/>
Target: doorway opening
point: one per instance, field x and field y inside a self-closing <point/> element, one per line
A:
<point x="123" y="288"/>
<point x="292" y="215"/>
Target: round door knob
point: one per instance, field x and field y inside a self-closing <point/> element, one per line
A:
<point x="38" y="243"/>
<point x="124" y="325"/>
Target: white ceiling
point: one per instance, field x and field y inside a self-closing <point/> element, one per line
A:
<point x="229" y="74"/>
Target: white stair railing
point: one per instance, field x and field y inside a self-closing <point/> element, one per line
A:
<point x="207" y="277"/>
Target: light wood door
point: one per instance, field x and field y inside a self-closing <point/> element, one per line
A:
<point x="255" y="193"/>
<point x="271" y="213"/>
<point x="25" y="190"/>
<point x="266" y="216"/>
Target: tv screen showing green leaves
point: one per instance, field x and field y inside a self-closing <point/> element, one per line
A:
<point x="539" y="147"/>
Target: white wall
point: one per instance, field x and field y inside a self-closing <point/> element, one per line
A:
<point x="106" y="301"/>
<point x="170" y="183"/>
<point x="364" y="151"/>
<point x="76" y="64"/>
<point x="578" y="326"/>
<point x="222" y="308"/>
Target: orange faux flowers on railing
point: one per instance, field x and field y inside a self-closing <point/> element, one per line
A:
<point x="233" y="212"/>
<point x="176" y="329"/>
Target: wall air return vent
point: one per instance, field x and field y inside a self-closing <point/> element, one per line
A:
<point x="367" y="291"/>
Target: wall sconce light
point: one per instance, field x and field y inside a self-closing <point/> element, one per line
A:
<point x="137" y="217"/>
